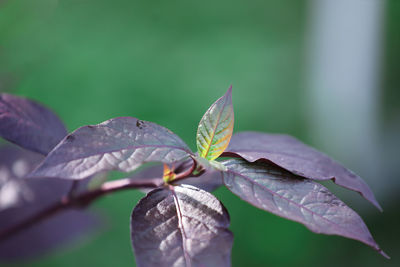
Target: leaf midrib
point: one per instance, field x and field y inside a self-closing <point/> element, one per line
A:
<point x="299" y="206"/>
<point x="215" y="128"/>
<point x="181" y="229"/>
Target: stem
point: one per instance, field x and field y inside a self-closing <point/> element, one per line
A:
<point x="79" y="201"/>
<point x="186" y="173"/>
<point x="73" y="200"/>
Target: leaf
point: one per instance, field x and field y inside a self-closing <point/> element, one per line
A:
<point x="21" y="198"/>
<point x="182" y="226"/>
<point x="298" y="158"/>
<point x="273" y="189"/>
<point x="47" y="236"/>
<point x="168" y="174"/>
<point x="121" y="144"/>
<point x="29" y="124"/>
<point x="216" y="127"/>
<point x="15" y="163"/>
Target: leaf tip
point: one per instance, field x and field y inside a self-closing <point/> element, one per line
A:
<point x="377" y="205"/>
<point x="372" y="200"/>
<point x="384" y="254"/>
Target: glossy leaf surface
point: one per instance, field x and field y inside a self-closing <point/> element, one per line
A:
<point x="185" y="226"/>
<point x="216" y="127"/>
<point x="29" y="124"/>
<point x="273" y="189"/>
<point x="121" y="144"/>
<point x="298" y="158"/>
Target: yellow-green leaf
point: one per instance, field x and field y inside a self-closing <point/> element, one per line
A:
<point x="168" y="174"/>
<point x="216" y="127"/>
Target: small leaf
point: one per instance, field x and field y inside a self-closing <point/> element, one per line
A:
<point x="121" y="144"/>
<point x="29" y="125"/>
<point x="184" y="226"/>
<point x="298" y="158"/>
<point x="273" y="189"/>
<point x="168" y="174"/>
<point x="216" y="127"/>
<point x="208" y="181"/>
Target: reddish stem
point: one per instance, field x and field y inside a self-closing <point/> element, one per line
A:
<point x="80" y="200"/>
<point x="72" y="200"/>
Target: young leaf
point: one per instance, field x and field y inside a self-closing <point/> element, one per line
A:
<point x="29" y="125"/>
<point x="298" y="158"/>
<point x="273" y="189"/>
<point x="168" y="174"/>
<point x="208" y="181"/>
<point x="181" y="226"/>
<point x="118" y="144"/>
<point x="216" y="127"/>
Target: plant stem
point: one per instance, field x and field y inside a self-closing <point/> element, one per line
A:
<point x="73" y="200"/>
<point x="79" y="201"/>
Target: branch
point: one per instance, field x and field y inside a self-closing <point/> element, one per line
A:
<point x="80" y="200"/>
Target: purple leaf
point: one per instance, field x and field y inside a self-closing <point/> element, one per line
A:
<point x="121" y="144"/>
<point x="273" y="189"/>
<point x="29" y="125"/>
<point x="21" y="198"/>
<point x="298" y="158"/>
<point x="14" y="164"/>
<point x="46" y="236"/>
<point x="184" y="226"/>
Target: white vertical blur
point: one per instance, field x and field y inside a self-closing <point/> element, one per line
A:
<point x="344" y="56"/>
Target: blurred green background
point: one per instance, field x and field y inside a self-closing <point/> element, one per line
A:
<point x="166" y="62"/>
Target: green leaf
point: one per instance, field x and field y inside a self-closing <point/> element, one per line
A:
<point x="216" y="127"/>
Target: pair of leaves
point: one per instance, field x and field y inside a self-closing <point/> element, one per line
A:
<point x="36" y="128"/>
<point x="280" y="192"/>
<point x="297" y="158"/>
<point x="271" y="188"/>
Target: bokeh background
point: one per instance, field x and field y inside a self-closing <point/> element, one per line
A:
<point x="325" y="71"/>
